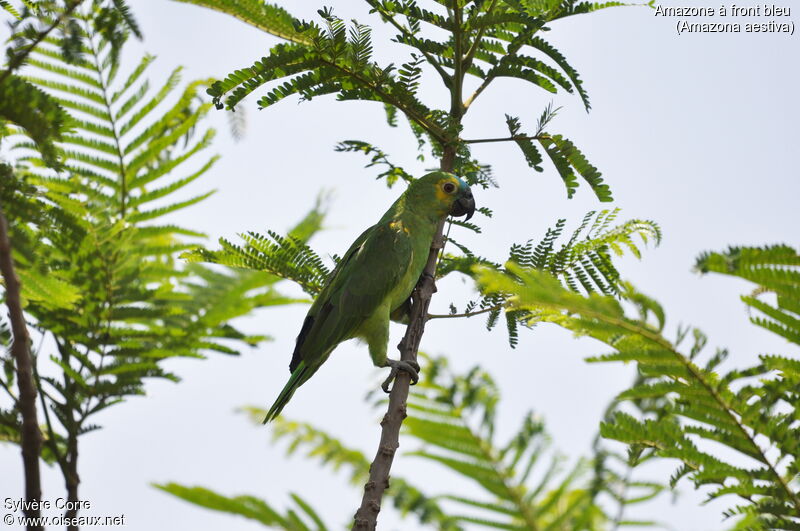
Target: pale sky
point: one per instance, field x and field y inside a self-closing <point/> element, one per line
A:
<point x="695" y="131"/>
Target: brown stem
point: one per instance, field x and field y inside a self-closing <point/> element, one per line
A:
<point x="72" y="482"/>
<point x="30" y="436"/>
<point x="367" y="515"/>
<point x="73" y="427"/>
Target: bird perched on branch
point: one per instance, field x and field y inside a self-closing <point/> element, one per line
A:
<point x="374" y="280"/>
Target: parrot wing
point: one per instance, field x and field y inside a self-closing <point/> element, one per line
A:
<point x="365" y="276"/>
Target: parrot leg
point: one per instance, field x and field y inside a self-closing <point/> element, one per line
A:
<point x="411" y="367"/>
<point x="376" y="332"/>
<point x="425" y="275"/>
<point x="402" y="313"/>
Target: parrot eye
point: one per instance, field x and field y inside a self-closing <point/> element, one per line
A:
<point x="449" y="188"/>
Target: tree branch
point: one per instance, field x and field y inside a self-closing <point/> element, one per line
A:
<point x="10" y="393"/>
<point x="446" y="79"/>
<point x="51" y="440"/>
<point x="430" y="127"/>
<point x="488" y="79"/>
<point x="473" y="49"/>
<point x="505" y="139"/>
<point x="490" y="76"/>
<point x="30" y="436"/>
<point x="456" y="105"/>
<point x="366" y="516"/>
<point x="465" y="314"/>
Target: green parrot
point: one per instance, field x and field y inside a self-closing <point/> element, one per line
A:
<point x="374" y="280"/>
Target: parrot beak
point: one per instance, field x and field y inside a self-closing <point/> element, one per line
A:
<point x="464" y="205"/>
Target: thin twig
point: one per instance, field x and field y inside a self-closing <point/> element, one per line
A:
<point x="10" y="393"/>
<point x="465" y="314"/>
<point x="446" y="79"/>
<point x="491" y="75"/>
<point x="505" y="139"/>
<point x="30" y="436"/>
<point x="626" y="482"/>
<point x="486" y="81"/>
<point x="470" y="55"/>
<point x="51" y="440"/>
<point x="430" y="127"/>
<point x="457" y="108"/>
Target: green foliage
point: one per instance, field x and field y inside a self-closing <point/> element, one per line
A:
<point x="405" y="497"/>
<point x="6" y="5"/>
<point x="301" y="518"/>
<point x="775" y="270"/>
<point x="26" y="106"/>
<point x="266" y="17"/>
<point x="97" y="258"/>
<point x="22" y="103"/>
<point x="567" y="159"/>
<point x="378" y="157"/>
<point x="752" y="412"/>
<point x="279" y="257"/>
<point x="615" y="482"/>
<point x="488" y="40"/>
<point x="583" y="263"/>
<point x="454" y="419"/>
<point x="521" y="480"/>
<point x="283" y="257"/>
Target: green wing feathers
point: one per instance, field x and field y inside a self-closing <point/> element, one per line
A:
<point x="360" y="284"/>
<point x="368" y="274"/>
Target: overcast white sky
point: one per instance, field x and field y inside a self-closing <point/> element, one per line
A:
<point x="697" y="132"/>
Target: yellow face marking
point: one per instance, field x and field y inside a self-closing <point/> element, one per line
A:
<point x="441" y="195"/>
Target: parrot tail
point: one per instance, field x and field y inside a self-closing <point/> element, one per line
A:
<point x="298" y="378"/>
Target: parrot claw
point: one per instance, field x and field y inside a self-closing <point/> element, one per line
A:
<point x="426" y="275"/>
<point x="410" y="367"/>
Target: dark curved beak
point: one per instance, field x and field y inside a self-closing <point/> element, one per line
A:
<point x="464" y="205"/>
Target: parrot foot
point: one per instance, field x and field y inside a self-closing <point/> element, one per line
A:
<point x="426" y="275"/>
<point x="410" y="367"/>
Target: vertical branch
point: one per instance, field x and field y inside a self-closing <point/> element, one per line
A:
<point x="73" y="426"/>
<point x="72" y="481"/>
<point x="30" y="436"/>
<point x="456" y="103"/>
<point x="367" y="515"/>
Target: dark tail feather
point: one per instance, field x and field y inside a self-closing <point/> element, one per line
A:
<point x="297" y="357"/>
<point x="297" y="379"/>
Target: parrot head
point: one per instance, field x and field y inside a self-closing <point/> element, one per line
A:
<point x="445" y="193"/>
